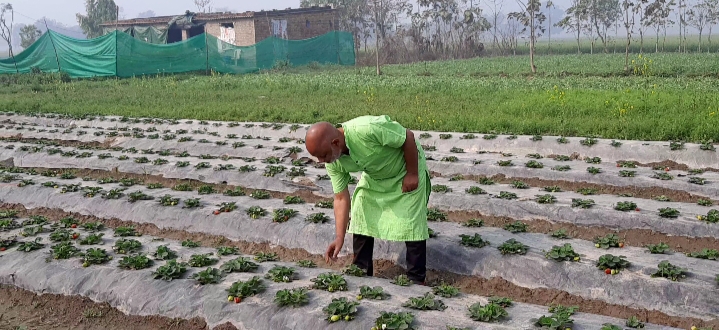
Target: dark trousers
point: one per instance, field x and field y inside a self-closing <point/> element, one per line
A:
<point x="362" y="247"/>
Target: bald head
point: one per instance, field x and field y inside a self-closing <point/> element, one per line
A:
<point x="324" y="141"/>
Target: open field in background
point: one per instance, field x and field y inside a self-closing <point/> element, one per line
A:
<point x="617" y="45"/>
<point x="676" y="97"/>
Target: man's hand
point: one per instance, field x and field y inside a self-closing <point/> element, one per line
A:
<point x="333" y="250"/>
<point x="410" y="183"/>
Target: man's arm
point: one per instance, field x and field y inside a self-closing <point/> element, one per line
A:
<point x="411" y="153"/>
<point x="342" y="213"/>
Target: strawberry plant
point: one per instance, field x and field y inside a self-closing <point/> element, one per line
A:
<point x="135" y="262"/>
<point x="709" y="254"/>
<point x="206" y="190"/>
<point x="123" y="157"/>
<point x="429" y="148"/>
<point x="293" y="200"/>
<point x="6" y="243"/>
<point x="141" y="160"/>
<point x="593" y="160"/>
<point x="562" y="253"/>
<point x="283" y="214"/>
<point x="171" y="270"/>
<point x="562" y="158"/>
<point x="126" y="246"/>
<point x="501" y="301"/>
<point x="456" y="150"/>
<point x="306" y="264"/>
<point x="520" y="185"/>
<point x="69" y="222"/>
<point x="445" y="136"/>
<point x="450" y="159"/>
<point x="594" y="170"/>
<point x="536" y="138"/>
<point x="534" y="156"/>
<point x="260" y="194"/>
<point x="182" y="164"/>
<point x="239" y="265"/>
<point x="662" y="176"/>
<point x="70" y="188"/>
<point x="627" y="174"/>
<point x="546" y="199"/>
<point x="168" y="200"/>
<point x="696" y="171"/>
<point x="512" y="246"/>
<point x="296" y="171"/>
<point x="64" y="250"/>
<point x="560" y="234"/>
<point x="113" y="194"/>
<point x="191" y="203"/>
<point x="224" y="167"/>
<point x="707" y="146"/>
<point x="633" y="322"/>
<point x="669" y="271"/>
<point x="506" y="195"/>
<point x="329" y="282"/>
<point x="155" y="186"/>
<point x="32" y="231"/>
<point x="658" y="248"/>
<point x="35" y="220"/>
<point x="202" y="165"/>
<point x="201" y="260"/>
<point x="675" y="145"/>
<point x="434" y="214"/>
<point x="92" y="239"/>
<point x="95" y="257"/>
<point x="488" y="313"/>
<point x="340" y="309"/>
<point x="475" y="241"/>
<point x="190" y="243"/>
<point x="291" y="297"/>
<point x="208" y="276"/>
<point x="552" y="189"/>
<point x="505" y="163"/>
<point x="317" y="218"/>
<point x="62" y="235"/>
<point x="445" y="290"/>
<point x="31" y="245"/>
<point x="610" y="240"/>
<point x="457" y="177"/>
<point x="485" y="181"/>
<point x="281" y="274"/>
<point x="697" y="180"/>
<point x="265" y="257"/>
<point x="163" y="252"/>
<point x="516" y="227"/>
<point x="439" y="188"/>
<point x="353" y="270"/>
<point x="625" y="206"/>
<point x="376" y="293"/>
<point x="227" y="206"/>
<point x="426" y="302"/>
<point x="24" y="183"/>
<point x="562" y="140"/>
<point x="562" y="168"/>
<point x="612" y="264"/>
<point x="582" y="203"/>
<point x="662" y="198"/>
<point x="668" y="212"/>
<point x="66" y="176"/>
<point x="474" y="190"/>
<point x="704" y="202"/>
<point x="227" y="250"/>
<point x="50" y="184"/>
<point x="126" y="231"/>
<point x="627" y="164"/>
<point x="139" y="196"/>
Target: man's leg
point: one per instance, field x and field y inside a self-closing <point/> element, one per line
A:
<point x="362" y="247"/>
<point x="417" y="261"/>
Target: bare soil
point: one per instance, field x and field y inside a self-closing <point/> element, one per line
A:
<point x="21" y="308"/>
<point x="388" y="269"/>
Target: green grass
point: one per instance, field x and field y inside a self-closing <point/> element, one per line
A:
<point x="571" y="95"/>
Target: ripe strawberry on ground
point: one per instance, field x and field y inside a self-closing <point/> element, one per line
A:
<point x="73" y="226"/>
<point x="608" y="271"/>
<point x="216" y="212"/>
<point x="621" y="245"/>
<point x="238" y="300"/>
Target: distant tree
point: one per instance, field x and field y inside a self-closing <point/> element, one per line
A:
<point x="713" y="16"/>
<point x="549" y="5"/>
<point x="28" y="35"/>
<point x="204" y="6"/>
<point x="638" y="9"/>
<point x="353" y="16"/>
<point x="656" y="15"/>
<point x="604" y="14"/>
<point x="573" y="20"/>
<point x="97" y="12"/>
<point x="146" y="14"/>
<point x="698" y="17"/>
<point x="627" y="6"/>
<point x="5" y="30"/>
<point x="533" y="19"/>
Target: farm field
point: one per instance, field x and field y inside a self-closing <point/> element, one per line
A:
<point x="671" y="96"/>
<point x="617" y="228"/>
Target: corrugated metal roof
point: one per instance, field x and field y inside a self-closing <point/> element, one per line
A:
<point x="208" y="17"/>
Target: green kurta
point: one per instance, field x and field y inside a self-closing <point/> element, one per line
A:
<point x="379" y="208"/>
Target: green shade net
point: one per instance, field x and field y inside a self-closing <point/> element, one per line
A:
<point x="122" y="55"/>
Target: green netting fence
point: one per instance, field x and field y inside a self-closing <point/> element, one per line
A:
<point x="120" y="54"/>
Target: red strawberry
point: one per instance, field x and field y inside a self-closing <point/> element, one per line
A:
<point x="608" y="271"/>
<point x="666" y="169"/>
<point x="618" y="165"/>
<point x="73" y="226"/>
<point x="238" y="300"/>
<point x="637" y="209"/>
<point x="75" y="236"/>
<point x="216" y="212"/>
<point x="621" y="245"/>
<point x="2" y="249"/>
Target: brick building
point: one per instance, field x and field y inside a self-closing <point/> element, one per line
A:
<point x="240" y="29"/>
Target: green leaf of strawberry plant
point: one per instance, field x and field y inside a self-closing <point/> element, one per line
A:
<point x="192" y="203"/>
<point x="582" y="203"/>
<point x="306" y="264"/>
<point x="208" y="276"/>
<point x="709" y="254"/>
<point x="92" y="239"/>
<point x="265" y="257"/>
<point x="669" y="271"/>
<point x="201" y="260"/>
<point x="354" y="270"/>
<point x="126" y="231"/>
<point x="634" y="323"/>
<point x="593" y="160"/>
<point x="376" y="293"/>
<point x="281" y="274"/>
<point x="488" y="313"/>
<point x="534" y="164"/>
<point x="239" y="265"/>
<point x="475" y="223"/>
<point x="704" y="202"/>
<point x="668" y="212"/>
<point x="434" y="214"/>
<point x="658" y="248"/>
<point x="31" y="245"/>
<point x="560" y="233"/>
<point x="546" y="199"/>
<point x="135" y="262"/>
<point x="292" y="297"/>
<point x="329" y="282"/>
<point x="562" y="253"/>
<point x="426" y="302"/>
<point x="606" y="242"/>
<point x="519" y="185"/>
<point x="260" y="194"/>
<point x="126" y="246"/>
<point x="171" y="270"/>
<point x="516" y="227"/>
<point x="445" y="290"/>
<point x="340" y="309"/>
<point x="441" y="188"/>
<point x="625" y="206"/>
<point x="512" y="246"/>
<point x="474" y="190"/>
<point x="283" y="215"/>
<point x="501" y="301"/>
<point x="95" y="257"/>
<point x="612" y="263"/>
<point x="475" y="241"/>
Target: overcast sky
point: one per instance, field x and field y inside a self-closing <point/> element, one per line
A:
<point x="64" y="10"/>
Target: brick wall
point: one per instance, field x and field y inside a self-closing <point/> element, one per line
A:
<point x="299" y="26"/>
<point x="244" y="31"/>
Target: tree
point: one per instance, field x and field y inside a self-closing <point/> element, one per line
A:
<point x="28" y="35"/>
<point x="532" y="18"/>
<point x="713" y="16"/>
<point x="204" y="6"/>
<point x="573" y="20"/>
<point x="5" y="30"/>
<point x="698" y="17"/>
<point x="628" y="24"/>
<point x="353" y="16"/>
<point x="98" y="12"/>
<point x="605" y="13"/>
<point x="656" y="15"/>
<point x="550" y="6"/>
<point x="638" y="9"/>
<point x="146" y="14"/>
